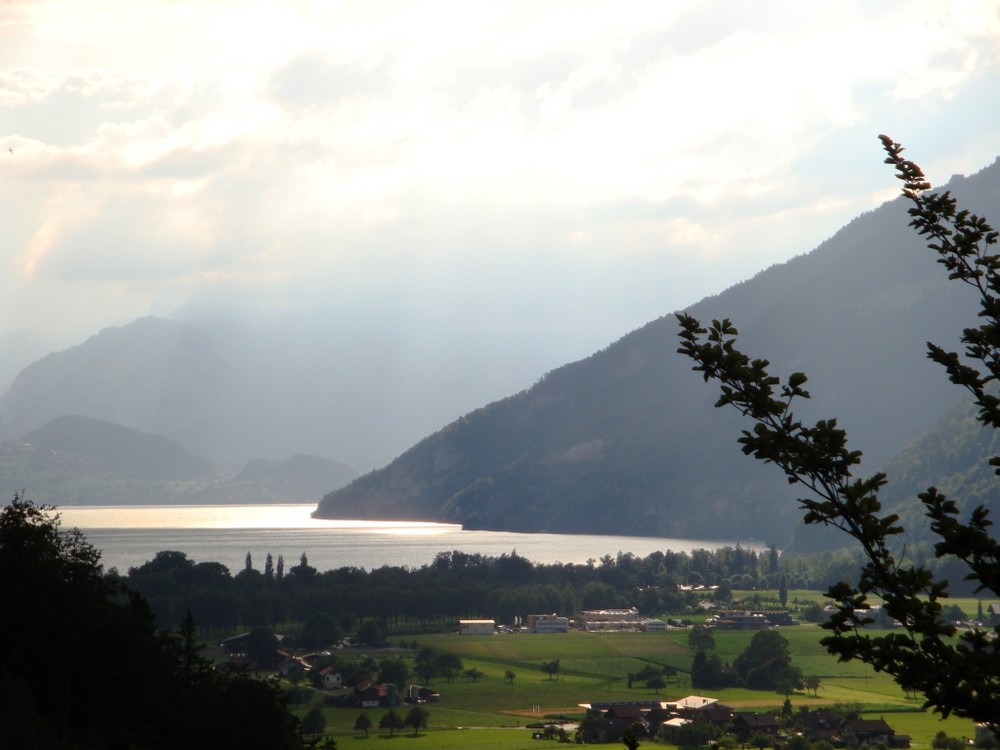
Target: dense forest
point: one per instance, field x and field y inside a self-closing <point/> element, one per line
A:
<point x="84" y="665"/>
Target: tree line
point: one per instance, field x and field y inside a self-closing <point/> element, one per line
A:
<point x="458" y="585"/>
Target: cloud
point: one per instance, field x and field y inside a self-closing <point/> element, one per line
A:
<point x="591" y="161"/>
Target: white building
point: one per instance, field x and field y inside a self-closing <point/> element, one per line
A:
<point x="547" y="624"/>
<point x="477" y="627"/>
<point x="608" y="619"/>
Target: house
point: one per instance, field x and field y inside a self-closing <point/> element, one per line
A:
<point x="291" y="664"/>
<point x="547" y="624"/>
<point x="608" y="619"/>
<point x="871" y="732"/>
<point x="626" y="713"/>
<point x="237" y="644"/>
<point x="739" y="620"/>
<point x="477" y="627"/>
<point x="421" y="694"/>
<point x="817" y="725"/>
<point x="691" y="705"/>
<point x="609" y="719"/>
<point x="718" y="714"/>
<point x="653" y="626"/>
<point x="669" y="727"/>
<point x="368" y="694"/>
<point x="746" y="724"/>
<point x="331" y="678"/>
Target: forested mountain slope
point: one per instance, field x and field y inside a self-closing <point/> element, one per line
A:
<point x="627" y="441"/>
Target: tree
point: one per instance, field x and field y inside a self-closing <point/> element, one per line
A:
<point x="707" y="672"/>
<point x="416" y="718"/>
<point x="656" y="683"/>
<point x="765" y="660"/>
<point x="321" y="629"/>
<point x="448" y="665"/>
<point x="473" y="674"/>
<point x="369" y="633"/>
<point x="393" y="670"/>
<point x="425" y="663"/>
<point x="929" y="655"/>
<point x="390" y="720"/>
<point x="942" y="741"/>
<point x="648" y="671"/>
<point x="362" y="723"/>
<point x="100" y="637"/>
<point x="700" y="638"/>
<point x="551" y="667"/>
<point x="812" y="683"/>
<point x="314" y="722"/>
<point x="303" y="572"/>
<point x="261" y="646"/>
<point x="696" y="733"/>
<point x="509" y="676"/>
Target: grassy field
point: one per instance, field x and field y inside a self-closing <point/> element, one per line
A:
<point x="594" y="667"/>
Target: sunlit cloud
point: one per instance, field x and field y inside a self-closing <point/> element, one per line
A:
<point x="163" y="150"/>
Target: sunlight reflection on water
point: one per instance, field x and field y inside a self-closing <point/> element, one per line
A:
<point x="129" y="536"/>
<point x="286" y="516"/>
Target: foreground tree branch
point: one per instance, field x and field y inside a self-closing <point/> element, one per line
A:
<point x="958" y="674"/>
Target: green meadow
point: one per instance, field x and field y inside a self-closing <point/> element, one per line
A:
<point x="493" y="711"/>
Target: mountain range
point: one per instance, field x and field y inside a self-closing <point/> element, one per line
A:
<point x="76" y="460"/>
<point x="625" y="441"/>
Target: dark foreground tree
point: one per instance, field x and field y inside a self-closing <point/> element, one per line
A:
<point x="83" y="666"/>
<point x="314" y="722"/>
<point x="959" y="675"/>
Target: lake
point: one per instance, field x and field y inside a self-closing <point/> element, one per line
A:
<point x="129" y="536"/>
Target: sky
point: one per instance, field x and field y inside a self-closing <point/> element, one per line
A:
<point x="548" y="175"/>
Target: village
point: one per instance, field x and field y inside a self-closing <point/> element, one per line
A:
<point x="691" y="720"/>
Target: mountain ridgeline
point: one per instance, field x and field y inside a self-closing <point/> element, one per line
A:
<point x="623" y="442"/>
<point x="77" y="460"/>
<point x="626" y="441"/>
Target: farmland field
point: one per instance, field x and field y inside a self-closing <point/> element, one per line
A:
<point x="594" y="666"/>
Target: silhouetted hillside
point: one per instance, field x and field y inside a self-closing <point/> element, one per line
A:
<point x="298" y="477"/>
<point x="627" y="441"/>
<point x="81" y="460"/>
<point x="114" y="450"/>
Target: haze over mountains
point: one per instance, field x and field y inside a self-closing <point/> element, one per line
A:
<point x="624" y="441"/>
<point x="627" y="440"/>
